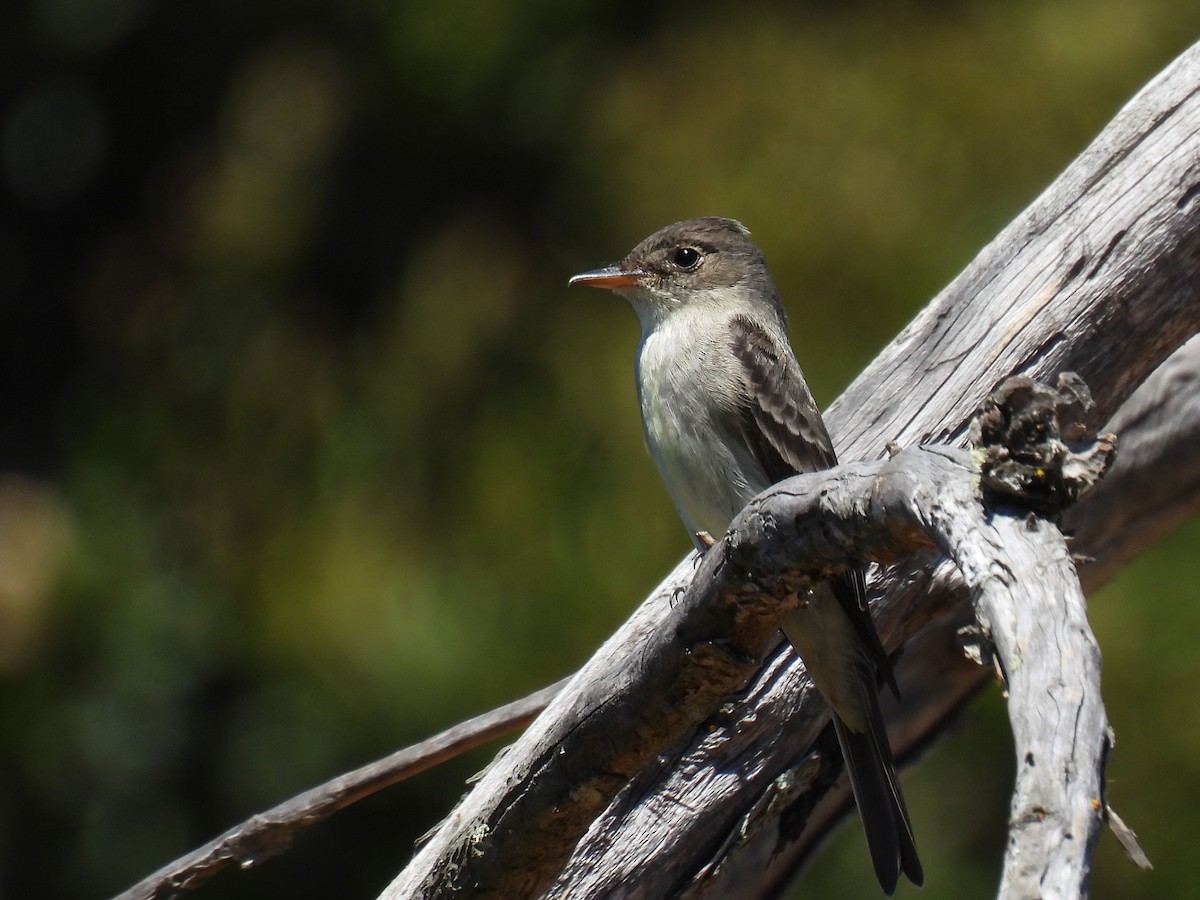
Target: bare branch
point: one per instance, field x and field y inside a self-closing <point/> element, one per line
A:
<point x="1100" y="276"/>
<point x="1038" y="627"/>
<point x="1155" y="484"/>
<point x="270" y="833"/>
<point x="1051" y="664"/>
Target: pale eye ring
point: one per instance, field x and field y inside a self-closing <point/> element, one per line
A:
<point x="686" y="258"/>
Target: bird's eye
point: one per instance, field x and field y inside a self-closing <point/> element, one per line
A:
<point x="686" y="258"/>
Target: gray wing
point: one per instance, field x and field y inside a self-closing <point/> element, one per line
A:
<point x="783" y="428"/>
<point x="780" y="420"/>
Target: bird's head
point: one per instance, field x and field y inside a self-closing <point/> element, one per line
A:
<point x="708" y="261"/>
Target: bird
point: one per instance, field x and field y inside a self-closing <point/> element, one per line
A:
<point x="727" y="413"/>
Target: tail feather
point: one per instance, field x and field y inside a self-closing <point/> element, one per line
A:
<point x="844" y="667"/>
<point x="881" y="806"/>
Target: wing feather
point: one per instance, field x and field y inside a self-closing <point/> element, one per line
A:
<point x="785" y="433"/>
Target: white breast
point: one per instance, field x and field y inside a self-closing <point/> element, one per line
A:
<point x="687" y="379"/>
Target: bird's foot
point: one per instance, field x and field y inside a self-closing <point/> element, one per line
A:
<point x="704" y="542"/>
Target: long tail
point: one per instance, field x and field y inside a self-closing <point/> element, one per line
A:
<point x="881" y="806"/>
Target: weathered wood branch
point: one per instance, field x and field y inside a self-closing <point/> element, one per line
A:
<point x="1036" y="621"/>
<point x="1154" y="485"/>
<point x="270" y="833"/>
<point x="1100" y="275"/>
<point x="1051" y="662"/>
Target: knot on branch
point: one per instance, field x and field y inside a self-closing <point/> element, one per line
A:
<point x="1035" y="443"/>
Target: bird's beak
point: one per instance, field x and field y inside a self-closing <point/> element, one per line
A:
<point x="614" y="278"/>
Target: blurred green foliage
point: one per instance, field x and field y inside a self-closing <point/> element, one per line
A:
<point x="308" y="452"/>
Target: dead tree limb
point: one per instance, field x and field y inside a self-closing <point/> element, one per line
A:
<point x="270" y="833"/>
<point x="1099" y="275"/>
<point x="1038" y="628"/>
<point x="1154" y="485"/>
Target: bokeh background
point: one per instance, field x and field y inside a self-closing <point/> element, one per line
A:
<point x="306" y="451"/>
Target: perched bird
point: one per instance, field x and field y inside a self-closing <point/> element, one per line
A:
<point x="727" y="413"/>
